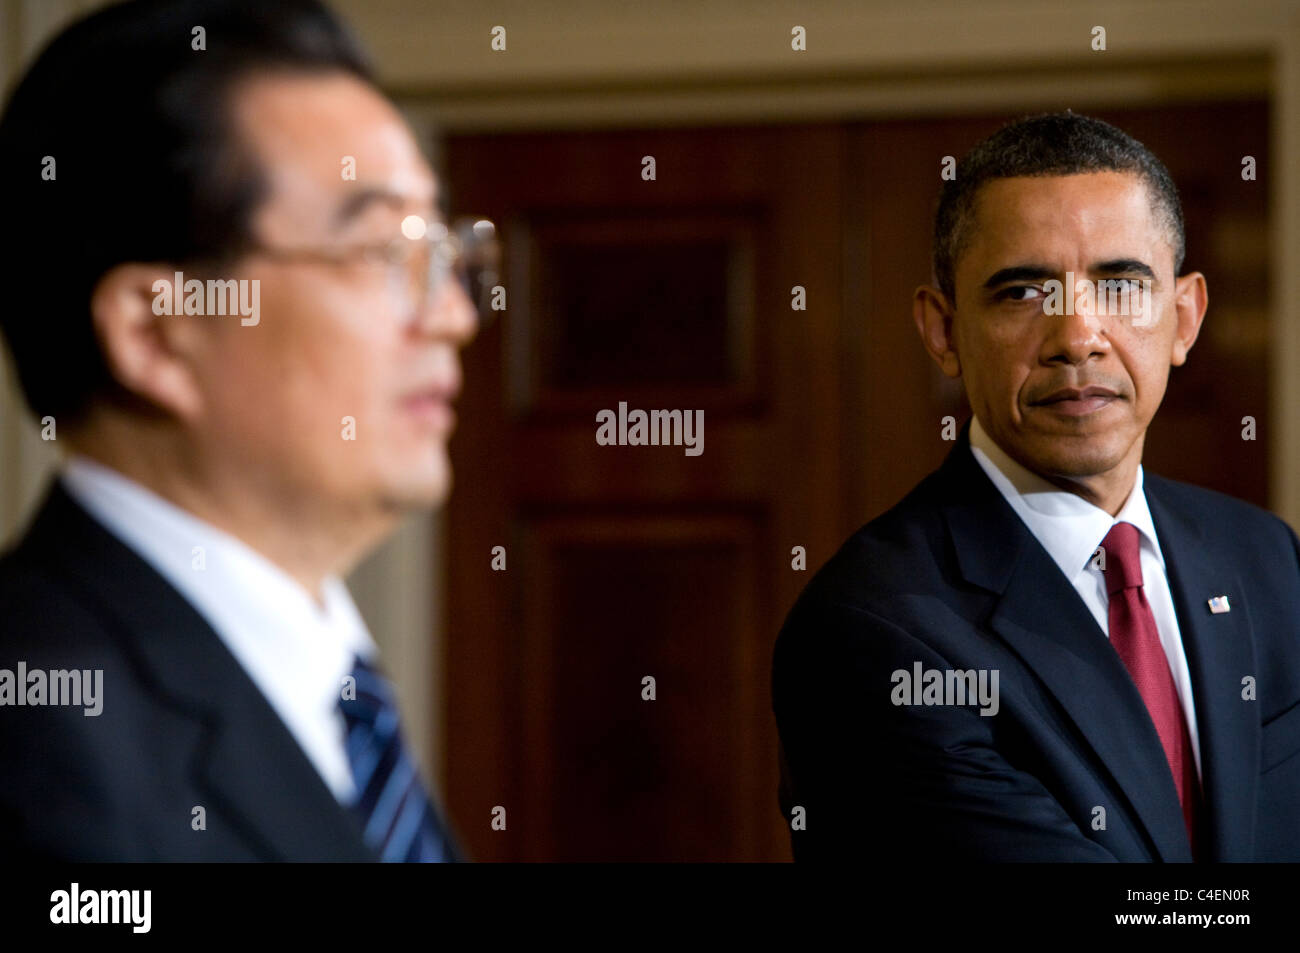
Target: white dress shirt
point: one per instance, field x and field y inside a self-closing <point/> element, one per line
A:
<point x="295" y="651"/>
<point x="1071" y="529"/>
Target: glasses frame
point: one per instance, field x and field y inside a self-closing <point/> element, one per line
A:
<point x="468" y="248"/>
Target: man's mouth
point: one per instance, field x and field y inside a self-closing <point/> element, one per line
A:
<point x="432" y="406"/>
<point x="1078" y="402"/>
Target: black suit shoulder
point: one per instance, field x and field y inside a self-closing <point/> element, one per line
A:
<point x="66" y="793"/>
<point x="901" y="551"/>
<point x="178" y="725"/>
<point x="1223" y="517"/>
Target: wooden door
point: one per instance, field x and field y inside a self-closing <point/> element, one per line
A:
<point x="630" y="562"/>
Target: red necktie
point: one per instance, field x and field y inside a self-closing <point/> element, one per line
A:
<point x="1134" y="635"/>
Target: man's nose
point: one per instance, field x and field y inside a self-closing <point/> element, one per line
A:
<point x="1077" y="334"/>
<point x="449" y="314"/>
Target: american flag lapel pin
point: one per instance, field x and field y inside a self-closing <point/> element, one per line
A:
<point x="1219" y="605"/>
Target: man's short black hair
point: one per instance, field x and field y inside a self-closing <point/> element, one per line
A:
<point x="1051" y="144"/>
<point x="146" y="167"/>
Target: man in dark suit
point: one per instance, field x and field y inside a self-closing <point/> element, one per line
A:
<point x="1042" y="653"/>
<point x="230" y="297"/>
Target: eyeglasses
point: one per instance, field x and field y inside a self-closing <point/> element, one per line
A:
<point x="422" y="259"/>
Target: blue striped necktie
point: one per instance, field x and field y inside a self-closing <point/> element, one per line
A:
<point x="399" y="821"/>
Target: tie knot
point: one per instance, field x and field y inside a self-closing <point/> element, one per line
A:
<point x="366" y="694"/>
<point x="1122" y="560"/>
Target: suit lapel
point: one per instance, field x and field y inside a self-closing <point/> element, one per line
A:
<point x="274" y="791"/>
<point x="1040" y="614"/>
<point x="1220" y="652"/>
<point x="255" y="771"/>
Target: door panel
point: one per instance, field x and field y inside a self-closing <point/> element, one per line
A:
<point x="625" y="562"/>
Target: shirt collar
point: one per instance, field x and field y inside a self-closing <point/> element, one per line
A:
<point x="1068" y="526"/>
<point x="295" y="649"/>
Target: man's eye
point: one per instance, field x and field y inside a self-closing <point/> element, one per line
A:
<point x="1020" y="293"/>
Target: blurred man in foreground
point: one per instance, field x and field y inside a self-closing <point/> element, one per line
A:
<point x="232" y="294"/>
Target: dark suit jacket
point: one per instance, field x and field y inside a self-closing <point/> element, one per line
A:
<point x="952" y="578"/>
<point x="182" y="724"/>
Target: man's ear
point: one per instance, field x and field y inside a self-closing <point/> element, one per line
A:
<point x="1191" y="298"/>
<point x="933" y="317"/>
<point x="148" y="354"/>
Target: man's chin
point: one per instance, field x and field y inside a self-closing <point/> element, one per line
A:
<point x="423" y="485"/>
<point x="1073" y="457"/>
